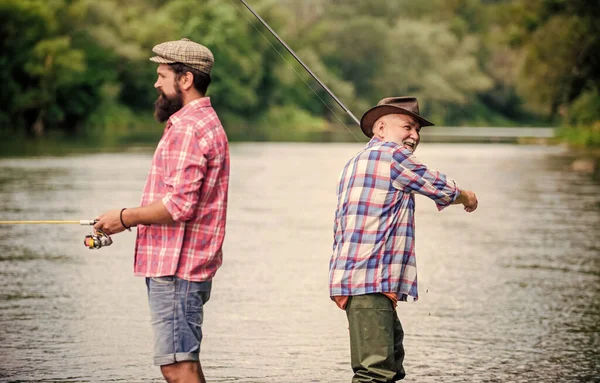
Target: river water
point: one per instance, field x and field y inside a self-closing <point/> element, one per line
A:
<point x="510" y="293"/>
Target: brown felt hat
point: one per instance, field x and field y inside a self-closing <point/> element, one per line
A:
<point x="391" y="105"/>
<point x="186" y="52"/>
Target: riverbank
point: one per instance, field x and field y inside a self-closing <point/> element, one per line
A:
<point x="583" y="160"/>
<point x="581" y="157"/>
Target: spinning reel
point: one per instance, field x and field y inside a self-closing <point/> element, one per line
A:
<point x="97" y="240"/>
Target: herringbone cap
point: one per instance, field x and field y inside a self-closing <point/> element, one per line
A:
<point x="184" y="51"/>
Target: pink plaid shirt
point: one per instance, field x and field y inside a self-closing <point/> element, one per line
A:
<point x="190" y="174"/>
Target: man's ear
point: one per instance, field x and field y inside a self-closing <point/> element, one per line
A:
<point x="378" y="128"/>
<point x="186" y="81"/>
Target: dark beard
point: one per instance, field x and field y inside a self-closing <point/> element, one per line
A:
<point x="164" y="106"/>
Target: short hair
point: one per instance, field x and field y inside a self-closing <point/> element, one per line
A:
<point x="201" y="79"/>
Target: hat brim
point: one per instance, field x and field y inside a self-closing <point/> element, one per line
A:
<point x="161" y="60"/>
<point x="376" y="112"/>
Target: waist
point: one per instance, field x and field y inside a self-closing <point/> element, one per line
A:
<point x="342" y="300"/>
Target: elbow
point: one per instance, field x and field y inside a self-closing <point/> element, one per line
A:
<point x="180" y="208"/>
<point x="185" y="217"/>
<point x="184" y="213"/>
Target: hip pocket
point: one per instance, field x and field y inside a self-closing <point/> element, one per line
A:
<point x="168" y="280"/>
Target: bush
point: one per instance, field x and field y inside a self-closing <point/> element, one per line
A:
<point x="585" y="110"/>
<point x="582" y="122"/>
<point x="289" y="123"/>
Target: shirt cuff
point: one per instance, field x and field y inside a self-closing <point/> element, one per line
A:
<point x="171" y="207"/>
<point x="444" y="203"/>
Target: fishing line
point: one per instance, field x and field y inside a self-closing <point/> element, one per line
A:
<point x="301" y="63"/>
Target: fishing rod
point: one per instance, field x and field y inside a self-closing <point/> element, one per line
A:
<point x="96" y="240"/>
<point x="264" y="23"/>
<point x="80" y="222"/>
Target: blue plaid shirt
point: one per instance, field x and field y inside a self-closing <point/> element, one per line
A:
<point x="374" y="240"/>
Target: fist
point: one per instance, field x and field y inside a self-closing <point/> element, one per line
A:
<point x="470" y="202"/>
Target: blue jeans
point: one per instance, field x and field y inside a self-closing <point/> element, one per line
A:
<point x="177" y="312"/>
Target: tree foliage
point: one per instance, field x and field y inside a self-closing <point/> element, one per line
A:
<point x="76" y="66"/>
<point x="559" y="47"/>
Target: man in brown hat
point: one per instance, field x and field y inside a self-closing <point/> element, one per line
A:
<point x="373" y="264"/>
<point x="181" y="220"/>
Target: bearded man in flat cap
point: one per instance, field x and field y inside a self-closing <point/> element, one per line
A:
<point x="181" y="220"/>
<point x="373" y="264"/>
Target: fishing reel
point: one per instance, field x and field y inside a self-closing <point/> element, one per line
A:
<point x="97" y="240"/>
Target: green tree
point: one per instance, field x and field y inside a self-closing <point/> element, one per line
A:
<point x="558" y="45"/>
<point x="54" y="65"/>
<point x="45" y="66"/>
<point x="427" y="60"/>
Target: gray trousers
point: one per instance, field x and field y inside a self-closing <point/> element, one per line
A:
<point x="376" y="336"/>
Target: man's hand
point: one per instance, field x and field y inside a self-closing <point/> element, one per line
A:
<point x="155" y="213"/>
<point x="468" y="199"/>
<point x="109" y="222"/>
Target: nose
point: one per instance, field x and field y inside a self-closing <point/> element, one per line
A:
<point x="414" y="134"/>
<point x="156" y="85"/>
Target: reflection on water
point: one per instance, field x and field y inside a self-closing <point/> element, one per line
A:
<point x="509" y="293"/>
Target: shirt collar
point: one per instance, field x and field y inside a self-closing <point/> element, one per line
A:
<point x="199" y="103"/>
<point x="374" y="141"/>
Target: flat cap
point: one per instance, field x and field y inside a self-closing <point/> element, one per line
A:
<point x="184" y="51"/>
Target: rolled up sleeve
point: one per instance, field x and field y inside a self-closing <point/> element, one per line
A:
<point x="184" y="165"/>
<point x="410" y="175"/>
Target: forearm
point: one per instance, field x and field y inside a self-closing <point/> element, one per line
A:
<point x="155" y="213"/>
<point x="409" y="175"/>
<point x="461" y="199"/>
